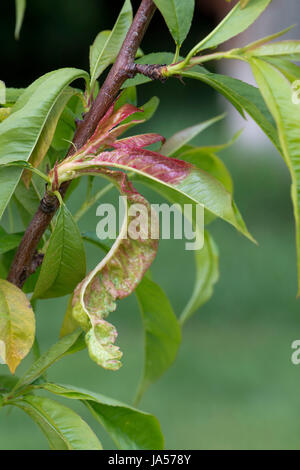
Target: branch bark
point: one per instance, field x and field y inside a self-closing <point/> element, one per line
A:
<point x="122" y="69"/>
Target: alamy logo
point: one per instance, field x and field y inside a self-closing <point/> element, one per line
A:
<point x="143" y="224"/>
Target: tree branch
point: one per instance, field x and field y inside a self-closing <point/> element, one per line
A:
<point x="122" y="69"/>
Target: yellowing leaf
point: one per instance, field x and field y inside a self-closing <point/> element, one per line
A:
<point x="17" y="324"/>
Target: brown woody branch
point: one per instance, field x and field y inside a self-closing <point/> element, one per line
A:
<point x="123" y="68"/>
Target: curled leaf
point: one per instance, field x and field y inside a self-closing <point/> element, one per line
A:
<point x="100" y="341"/>
<point x="115" y="277"/>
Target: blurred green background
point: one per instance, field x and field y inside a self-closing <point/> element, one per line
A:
<point x="233" y="385"/>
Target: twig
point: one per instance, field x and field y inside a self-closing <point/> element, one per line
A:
<point x="122" y="69"/>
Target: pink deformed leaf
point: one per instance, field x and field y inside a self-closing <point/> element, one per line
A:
<point x="138" y="141"/>
<point x="116" y="276"/>
<point x="108" y="128"/>
<point x="183" y="179"/>
<point x="165" y="169"/>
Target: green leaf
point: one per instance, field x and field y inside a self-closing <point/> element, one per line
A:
<point x="278" y="94"/>
<point x="207" y="274"/>
<point x="288" y="69"/>
<point x="13" y="94"/>
<point x="66" y="125"/>
<point x="69" y="324"/>
<point x="63" y="428"/>
<point x="9" y="242"/>
<point x="242" y="96"/>
<point x="178" y="15"/>
<point x="55" y="353"/>
<point x="162" y="332"/>
<point x="7" y="382"/>
<point x="107" y="44"/>
<point x="210" y="163"/>
<point x="178" y="140"/>
<point x="27" y="200"/>
<point x="215" y="148"/>
<point x="64" y="265"/>
<point x="27" y="167"/>
<point x="284" y="49"/>
<point x="17" y="324"/>
<point x="129" y="428"/>
<point x="145" y="114"/>
<point x="237" y="21"/>
<point x="20" y="132"/>
<point x="20" y="10"/>
<point x="260" y="42"/>
<point x="129" y="95"/>
<point x="92" y="238"/>
<point x="48" y="132"/>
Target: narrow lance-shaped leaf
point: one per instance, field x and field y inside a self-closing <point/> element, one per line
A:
<point x="13" y="94"/>
<point x="27" y="200"/>
<point x="17" y="324"/>
<point x="284" y="49"/>
<point x="66" y="126"/>
<point x="129" y="428"/>
<point x="218" y="147"/>
<point x="178" y="15"/>
<point x="64" y="265"/>
<point x="162" y="332"/>
<point x="207" y="161"/>
<point x="56" y="352"/>
<point x="48" y="132"/>
<point x="242" y="96"/>
<point x="178" y="140"/>
<point x="63" y="428"/>
<point x="69" y="325"/>
<point x="214" y="166"/>
<point x="207" y="274"/>
<point x="108" y="43"/>
<point x="7" y="382"/>
<point x="9" y="241"/>
<point x="20" y="132"/>
<point x="260" y="42"/>
<point x="278" y="94"/>
<point x="290" y="70"/>
<point x="20" y="11"/>
<point x="237" y="21"/>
